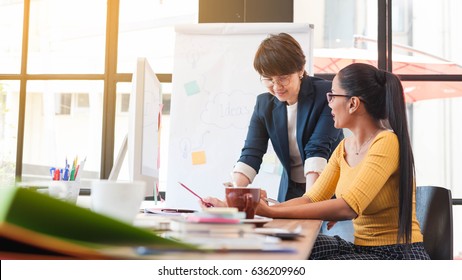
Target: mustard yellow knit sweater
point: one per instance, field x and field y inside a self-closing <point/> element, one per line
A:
<point x="370" y="189"/>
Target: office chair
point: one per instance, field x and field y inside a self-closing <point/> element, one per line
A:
<point x="434" y="213"/>
<point x="344" y="229"/>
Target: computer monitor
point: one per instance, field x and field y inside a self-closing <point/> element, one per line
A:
<point x="142" y="140"/>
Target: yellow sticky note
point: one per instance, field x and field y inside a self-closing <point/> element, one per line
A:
<point x="198" y="157"/>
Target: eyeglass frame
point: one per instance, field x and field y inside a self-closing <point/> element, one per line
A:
<point x="329" y="96"/>
<point x="271" y="83"/>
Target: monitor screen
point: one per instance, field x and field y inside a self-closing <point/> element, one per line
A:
<point x="144" y="123"/>
<point x="142" y="140"/>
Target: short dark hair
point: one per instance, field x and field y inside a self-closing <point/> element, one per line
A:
<point x="279" y="54"/>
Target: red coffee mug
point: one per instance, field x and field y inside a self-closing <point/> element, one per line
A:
<point x="244" y="199"/>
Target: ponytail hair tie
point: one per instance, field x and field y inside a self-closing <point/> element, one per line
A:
<point x="381" y="77"/>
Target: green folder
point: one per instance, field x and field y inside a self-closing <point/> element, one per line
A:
<point x="36" y="224"/>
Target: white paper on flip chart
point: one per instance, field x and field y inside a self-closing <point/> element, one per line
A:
<point x="214" y="92"/>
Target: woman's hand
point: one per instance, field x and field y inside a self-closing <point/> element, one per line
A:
<point x="263" y="195"/>
<point x="263" y="209"/>
<point x="330" y="224"/>
<point x="215" y="201"/>
<point x="240" y="179"/>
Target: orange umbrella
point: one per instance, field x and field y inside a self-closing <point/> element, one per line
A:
<point x="332" y="60"/>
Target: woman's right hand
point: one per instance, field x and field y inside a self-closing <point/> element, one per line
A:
<point x="240" y="179"/>
<point x="215" y="201"/>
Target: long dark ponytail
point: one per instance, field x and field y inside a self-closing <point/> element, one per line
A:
<point x="383" y="97"/>
<point x="397" y="118"/>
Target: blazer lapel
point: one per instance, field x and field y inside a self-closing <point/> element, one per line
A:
<point x="280" y="131"/>
<point x="304" y="108"/>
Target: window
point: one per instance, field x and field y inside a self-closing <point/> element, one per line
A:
<point x="9" y="104"/>
<point x="55" y="128"/>
<point x="124" y="102"/>
<point x="64" y="104"/>
<point x="11" y="26"/>
<point x="83" y="100"/>
<point x="67" y="36"/>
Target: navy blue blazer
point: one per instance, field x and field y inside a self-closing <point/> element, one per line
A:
<point x="316" y="134"/>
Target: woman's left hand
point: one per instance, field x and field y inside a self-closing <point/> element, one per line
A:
<point x="263" y="195"/>
<point x="263" y="209"/>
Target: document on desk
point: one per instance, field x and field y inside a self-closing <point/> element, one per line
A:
<point x="168" y="211"/>
<point x="181" y="225"/>
<point x="248" y="242"/>
<point x="281" y="233"/>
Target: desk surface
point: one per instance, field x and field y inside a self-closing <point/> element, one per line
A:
<point x="302" y="245"/>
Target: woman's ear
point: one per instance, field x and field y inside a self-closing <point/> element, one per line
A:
<point x="353" y="104"/>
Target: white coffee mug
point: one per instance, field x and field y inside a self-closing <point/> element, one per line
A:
<point x="119" y="200"/>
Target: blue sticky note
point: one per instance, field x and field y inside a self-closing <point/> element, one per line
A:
<point x="191" y="88"/>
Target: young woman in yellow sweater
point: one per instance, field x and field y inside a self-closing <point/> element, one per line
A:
<point x="371" y="173"/>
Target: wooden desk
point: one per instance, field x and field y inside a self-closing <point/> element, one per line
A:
<point x="302" y="245"/>
<point x="310" y="230"/>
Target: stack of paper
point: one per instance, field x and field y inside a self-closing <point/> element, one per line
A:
<point x="183" y="225"/>
<point x="213" y="220"/>
<point x="222" y="229"/>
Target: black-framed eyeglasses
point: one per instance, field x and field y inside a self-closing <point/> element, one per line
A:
<point x="330" y="96"/>
<point x="282" y="81"/>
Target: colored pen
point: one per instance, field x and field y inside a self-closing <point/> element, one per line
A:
<point x="52" y="172"/>
<point x="74" y="164"/>
<point x="72" y="178"/>
<point x="66" y="173"/>
<point x="82" y="164"/>
<point x="76" y="171"/>
<point x="78" y="168"/>
<point x="56" y="176"/>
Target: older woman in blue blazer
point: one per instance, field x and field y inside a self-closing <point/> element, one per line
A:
<point x="293" y="114"/>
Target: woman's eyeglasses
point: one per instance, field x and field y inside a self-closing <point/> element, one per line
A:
<point x="282" y="81"/>
<point x="330" y="96"/>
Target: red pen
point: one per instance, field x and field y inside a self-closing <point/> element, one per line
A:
<point x="76" y="171"/>
<point x="207" y="204"/>
<point x="57" y="175"/>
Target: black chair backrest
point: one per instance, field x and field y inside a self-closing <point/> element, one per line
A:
<point x="434" y="213"/>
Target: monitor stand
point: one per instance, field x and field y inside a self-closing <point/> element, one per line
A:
<point x="119" y="160"/>
<point x="118" y="165"/>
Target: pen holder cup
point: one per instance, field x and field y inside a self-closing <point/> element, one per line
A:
<point x="63" y="190"/>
